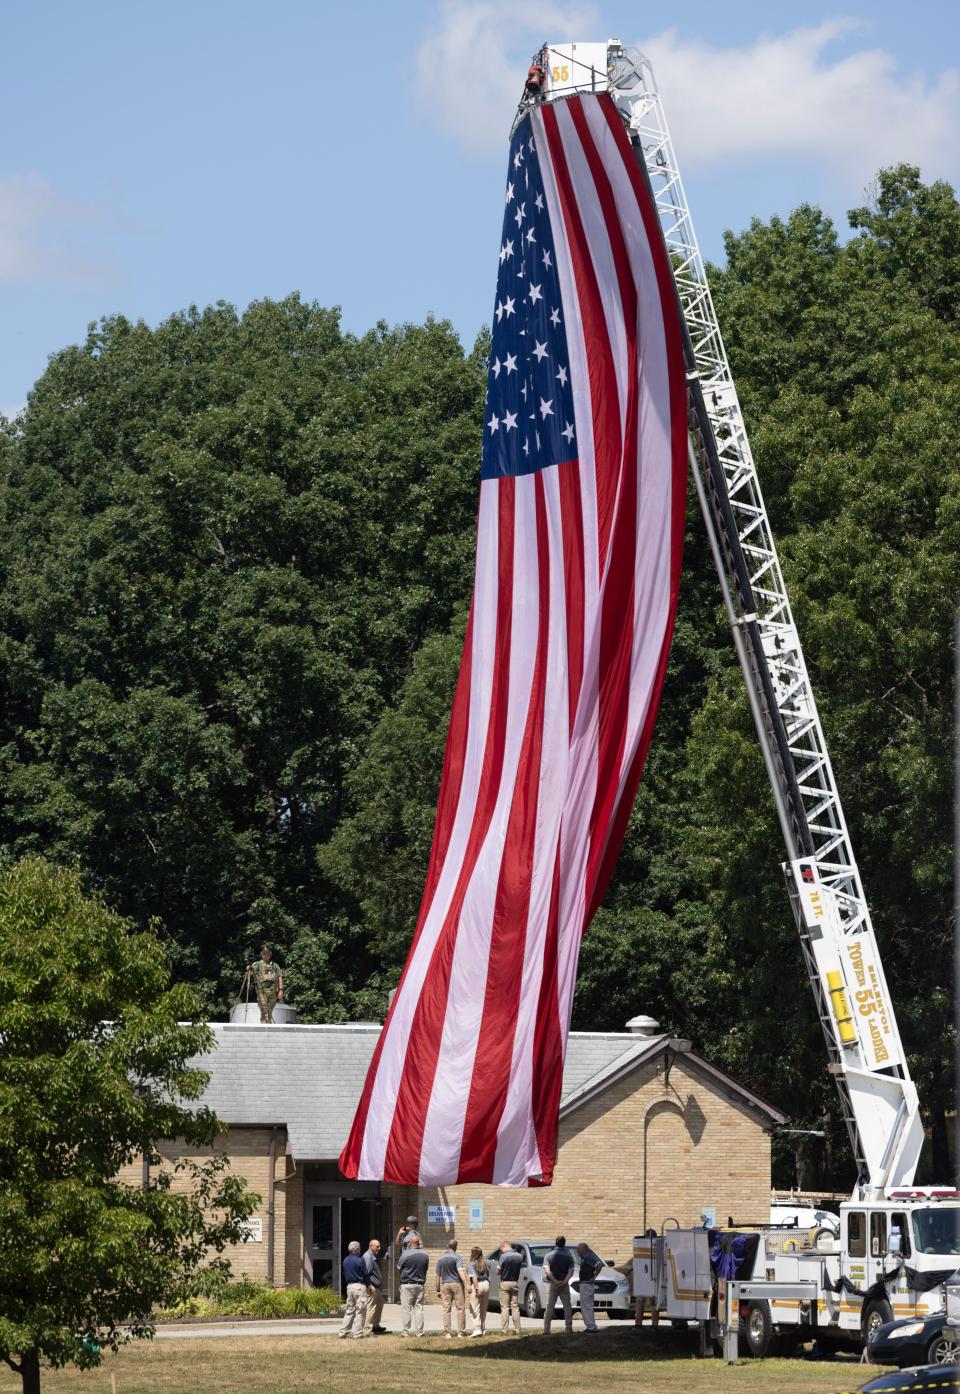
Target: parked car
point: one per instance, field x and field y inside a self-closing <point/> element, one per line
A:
<point x="612" y="1290"/>
<point x="805" y="1217"/>
<point x="916" y="1341"/>
<point x="914" y="1379"/>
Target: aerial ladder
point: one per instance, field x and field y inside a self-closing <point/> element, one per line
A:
<point x="896" y="1253"/>
<point x="866" y="1057"/>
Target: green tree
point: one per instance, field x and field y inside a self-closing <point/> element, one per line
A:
<point x="96" y="1062"/>
<point x="222" y="542"/>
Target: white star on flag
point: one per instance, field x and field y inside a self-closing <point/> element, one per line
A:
<point x="509" y="192"/>
<point x="555" y="317"/>
<point x="540" y="352"/>
<point x="496" y="365"/>
<point x="567" y="433"/>
<point x="520" y="213"/>
<point x="493" y="423"/>
<point x="534" y="294"/>
<point x="510" y="420"/>
<point x="562" y="375"/>
<point x="510" y="363"/>
<point x="539" y="202"/>
<point x="530" y="235"/>
<point x="508" y="306"/>
<point x="546" y="261"/>
<point x="546" y="408"/>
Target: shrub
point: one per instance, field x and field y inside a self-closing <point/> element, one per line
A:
<point x="268" y="1302"/>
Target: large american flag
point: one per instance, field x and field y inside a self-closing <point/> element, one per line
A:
<point x="578" y="561"/>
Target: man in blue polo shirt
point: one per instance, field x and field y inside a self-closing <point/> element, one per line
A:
<point x="355" y="1285"/>
<point x="558" y="1270"/>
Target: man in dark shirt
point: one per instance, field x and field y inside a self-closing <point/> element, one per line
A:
<point x="590" y="1266"/>
<point x="413" y="1266"/>
<point x="355" y="1284"/>
<point x="558" y="1270"/>
<point x="508" y="1270"/>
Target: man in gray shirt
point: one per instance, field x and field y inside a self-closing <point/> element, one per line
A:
<point x="371" y="1262"/>
<point x="451" y="1288"/>
<point x="413" y="1266"/>
<point x="558" y="1270"/>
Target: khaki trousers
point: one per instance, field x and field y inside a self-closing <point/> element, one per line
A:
<point x="411" y="1305"/>
<point x="561" y="1290"/>
<point x="479" y="1297"/>
<point x="586" y="1306"/>
<point x="355" y="1310"/>
<point x="509" y="1303"/>
<point x="451" y="1295"/>
<point x="374" y="1308"/>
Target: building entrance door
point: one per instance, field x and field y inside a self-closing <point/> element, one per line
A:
<point x="364" y="1218"/>
<point x="323" y="1243"/>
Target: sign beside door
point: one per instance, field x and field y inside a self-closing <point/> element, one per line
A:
<point x="441" y="1214"/>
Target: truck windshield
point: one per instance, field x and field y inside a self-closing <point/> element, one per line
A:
<point x="937" y="1231"/>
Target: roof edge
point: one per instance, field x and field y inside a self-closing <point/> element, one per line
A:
<point x="673" y="1045"/>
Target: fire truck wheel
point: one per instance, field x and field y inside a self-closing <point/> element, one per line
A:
<point x="875" y="1313"/>
<point x="757" y="1330"/>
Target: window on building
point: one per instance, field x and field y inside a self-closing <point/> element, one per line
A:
<point x="878" y="1234"/>
<point x="857" y="1234"/>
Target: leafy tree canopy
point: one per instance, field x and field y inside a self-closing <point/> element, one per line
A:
<point x="235" y="564"/>
<point x="96" y="1062"/>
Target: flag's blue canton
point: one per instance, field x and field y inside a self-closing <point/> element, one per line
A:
<point x="528" y="416"/>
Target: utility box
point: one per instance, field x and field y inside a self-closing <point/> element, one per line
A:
<point x="672" y="1271"/>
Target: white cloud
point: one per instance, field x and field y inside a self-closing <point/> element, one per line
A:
<point x="471" y="67"/>
<point x="782" y="95"/>
<point x="45" y="236"/>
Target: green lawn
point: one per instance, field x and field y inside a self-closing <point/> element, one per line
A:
<point x="613" y="1362"/>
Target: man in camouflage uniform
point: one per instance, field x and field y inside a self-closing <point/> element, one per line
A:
<point x="268" y="980"/>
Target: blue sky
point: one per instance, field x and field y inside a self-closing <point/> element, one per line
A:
<point x="153" y="155"/>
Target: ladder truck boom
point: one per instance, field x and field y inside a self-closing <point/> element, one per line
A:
<point x="840" y="952"/>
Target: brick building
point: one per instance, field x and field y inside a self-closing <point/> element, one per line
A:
<point x="648" y="1130"/>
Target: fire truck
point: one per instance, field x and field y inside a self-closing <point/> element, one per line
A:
<point x="761" y="1285"/>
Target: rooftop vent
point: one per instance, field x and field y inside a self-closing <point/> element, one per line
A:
<point x="644" y="1026"/>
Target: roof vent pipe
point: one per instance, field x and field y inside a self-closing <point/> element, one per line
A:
<point x="644" y="1026"/>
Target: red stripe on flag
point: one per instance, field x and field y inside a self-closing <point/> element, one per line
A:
<point x="402" y="1159"/>
<point x="678" y="450"/>
<point x="571" y="513"/>
<point x="547" y="1078"/>
<point x="616" y="620"/>
<point x="603" y="397"/>
<point x="494" y="1055"/>
<point x="451" y="780"/>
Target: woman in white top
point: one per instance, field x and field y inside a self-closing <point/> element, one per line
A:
<point x="478" y="1290"/>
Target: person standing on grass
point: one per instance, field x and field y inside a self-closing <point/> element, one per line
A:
<point x="451" y="1283"/>
<point x="371" y="1262"/>
<point x="478" y="1286"/>
<point x="508" y="1271"/>
<point x="413" y="1266"/>
<point x="355" y="1286"/>
<point x="558" y="1269"/>
<point x="590" y="1266"/>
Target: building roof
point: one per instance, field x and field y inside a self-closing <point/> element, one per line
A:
<point x="309" y="1078"/>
